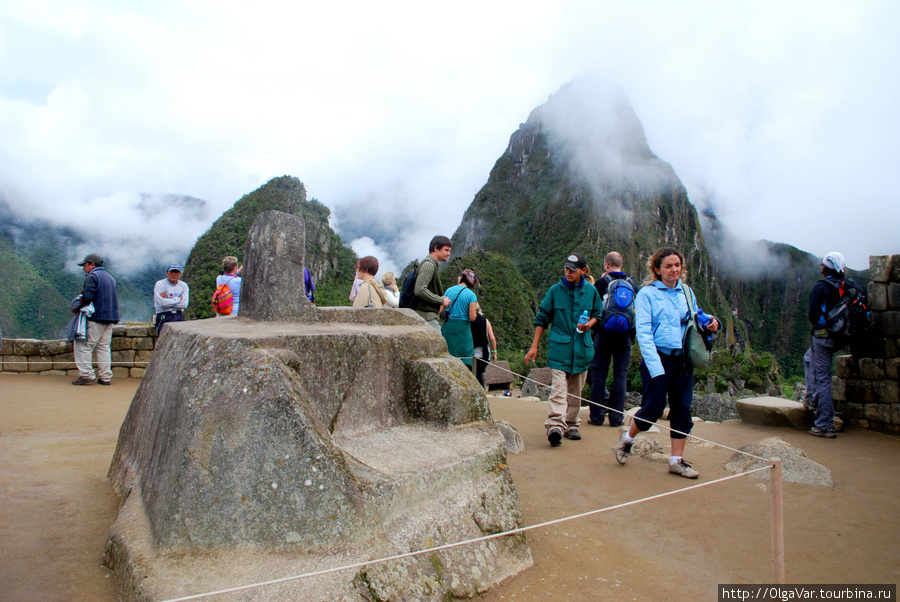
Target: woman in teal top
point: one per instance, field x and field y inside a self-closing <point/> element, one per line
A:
<point x="457" y="329"/>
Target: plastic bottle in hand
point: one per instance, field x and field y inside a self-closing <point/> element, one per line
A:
<point x="584" y="317"/>
<point x="703" y="318"/>
<point x="704" y="323"/>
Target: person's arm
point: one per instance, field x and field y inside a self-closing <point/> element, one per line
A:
<point x="185" y="297"/>
<point x="393" y="297"/>
<point x="532" y="353"/>
<point x="491" y="339"/>
<point x="354" y="289"/>
<point x="91" y="286"/>
<point x="423" y="279"/>
<point x="472" y="313"/>
<point x="713" y="323"/>
<point x="643" y="322"/>
<point x="815" y="302"/>
<point x="161" y="298"/>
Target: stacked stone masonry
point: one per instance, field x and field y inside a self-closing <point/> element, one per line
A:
<point x="867" y="388"/>
<point x="131" y="347"/>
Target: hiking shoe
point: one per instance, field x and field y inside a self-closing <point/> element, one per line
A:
<point x="84" y="381"/>
<point x="616" y="425"/>
<point x="596" y="422"/>
<point x="827" y="433"/>
<point x="573" y="434"/>
<point x="554" y="436"/>
<point x="105" y="382"/>
<point x="623" y="449"/>
<point x="683" y="469"/>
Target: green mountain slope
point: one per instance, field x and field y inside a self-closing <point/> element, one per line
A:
<point x="331" y="263"/>
<point x="578" y="175"/>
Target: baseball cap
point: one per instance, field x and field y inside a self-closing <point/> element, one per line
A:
<point x="575" y="261"/>
<point x="92" y="258"/>
<point x="173" y="267"/>
<point x="834" y="260"/>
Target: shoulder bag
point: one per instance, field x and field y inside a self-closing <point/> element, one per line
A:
<point x="695" y="344"/>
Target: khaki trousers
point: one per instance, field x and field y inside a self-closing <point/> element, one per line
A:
<point x="565" y="400"/>
<point x="98" y="339"/>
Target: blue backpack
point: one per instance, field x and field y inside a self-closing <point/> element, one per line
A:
<point x="618" y="306"/>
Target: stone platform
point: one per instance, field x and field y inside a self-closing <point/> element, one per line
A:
<point x="258" y="450"/>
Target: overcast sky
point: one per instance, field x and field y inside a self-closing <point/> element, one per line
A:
<point x="782" y="114"/>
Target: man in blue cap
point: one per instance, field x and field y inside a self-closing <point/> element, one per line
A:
<point x="170" y="297"/>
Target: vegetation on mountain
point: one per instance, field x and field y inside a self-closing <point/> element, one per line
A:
<point x="506" y="298"/>
<point x="331" y="264"/>
<point x="545" y="198"/>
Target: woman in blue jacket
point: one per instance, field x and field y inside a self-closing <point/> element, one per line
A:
<point x="661" y="318"/>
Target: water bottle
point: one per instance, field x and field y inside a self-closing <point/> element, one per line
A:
<point x="705" y="322"/>
<point x="584" y="317"/>
<point x="703" y="318"/>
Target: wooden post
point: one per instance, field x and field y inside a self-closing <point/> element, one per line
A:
<point x="777" y="505"/>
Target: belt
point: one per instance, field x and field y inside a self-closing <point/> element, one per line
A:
<point x="171" y="311"/>
<point x="672" y="353"/>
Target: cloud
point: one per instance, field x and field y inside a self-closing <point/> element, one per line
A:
<point x="787" y="110"/>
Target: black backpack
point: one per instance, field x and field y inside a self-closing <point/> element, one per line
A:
<point x="848" y="320"/>
<point x="408" y="297"/>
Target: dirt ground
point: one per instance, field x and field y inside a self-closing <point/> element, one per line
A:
<point x="56" y="505"/>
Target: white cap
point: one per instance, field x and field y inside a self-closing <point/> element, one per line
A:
<point x="834" y="260"/>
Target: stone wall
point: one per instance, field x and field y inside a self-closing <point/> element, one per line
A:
<point x="132" y="344"/>
<point x="867" y="388"/>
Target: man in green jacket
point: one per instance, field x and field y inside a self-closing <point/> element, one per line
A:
<point x="571" y="349"/>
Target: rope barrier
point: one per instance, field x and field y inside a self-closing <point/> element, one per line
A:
<point x="770" y="464"/>
<point x="132" y="363"/>
<point x="582" y="399"/>
<point x="468" y="541"/>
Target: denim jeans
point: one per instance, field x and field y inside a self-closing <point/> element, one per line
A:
<point x="817" y="364"/>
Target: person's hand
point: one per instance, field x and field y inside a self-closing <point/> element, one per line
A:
<point x="446" y="302"/>
<point x="581" y="327"/>
<point x="532" y="355"/>
<point x="713" y="325"/>
<point x="163" y="295"/>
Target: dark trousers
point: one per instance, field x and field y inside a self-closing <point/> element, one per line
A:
<point x="616" y="348"/>
<point x="166" y="317"/>
<point x="678" y="385"/>
<point x="817" y="363"/>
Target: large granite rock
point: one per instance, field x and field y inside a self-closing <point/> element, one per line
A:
<point x="257" y="450"/>
<point x="796" y="467"/>
<point x="773" y="411"/>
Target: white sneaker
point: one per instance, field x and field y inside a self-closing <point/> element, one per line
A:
<point x="623" y="449"/>
<point x="683" y="469"/>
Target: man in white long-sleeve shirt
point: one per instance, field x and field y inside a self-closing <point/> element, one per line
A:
<point x="170" y="297"/>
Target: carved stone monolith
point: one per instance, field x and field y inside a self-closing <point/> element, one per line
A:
<point x="258" y="450"/>
<point x="272" y="276"/>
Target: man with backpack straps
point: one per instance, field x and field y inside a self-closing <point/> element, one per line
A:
<point x="827" y="338"/>
<point x="613" y="334"/>
<point x="427" y="288"/>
